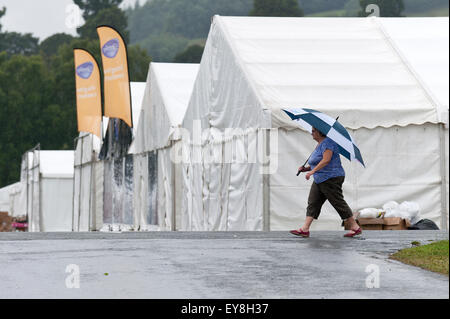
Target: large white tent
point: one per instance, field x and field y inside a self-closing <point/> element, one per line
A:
<point x="386" y="79"/>
<point x="156" y="176"/>
<point x="90" y="180"/>
<point x="47" y="179"/>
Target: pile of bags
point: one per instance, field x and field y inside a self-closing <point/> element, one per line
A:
<point x="405" y="210"/>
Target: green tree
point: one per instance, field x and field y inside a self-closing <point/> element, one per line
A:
<point x="192" y="54"/>
<point x="139" y="62"/>
<point x="25" y="95"/>
<point x="167" y="27"/>
<point x="316" y="6"/>
<point x="388" y="8"/>
<point x="50" y="45"/>
<point x="163" y="47"/>
<point x="352" y="8"/>
<point x="16" y="43"/>
<point x="276" y="8"/>
<point x="113" y="17"/>
<point x="91" y="8"/>
<point x="37" y="95"/>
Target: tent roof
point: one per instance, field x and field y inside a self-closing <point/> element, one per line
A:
<point x="51" y="164"/>
<point x="4" y="196"/>
<point x="352" y="67"/>
<point x="137" y="95"/>
<point x="56" y="164"/>
<point x="424" y="43"/>
<point x="175" y="82"/>
<point x="168" y="90"/>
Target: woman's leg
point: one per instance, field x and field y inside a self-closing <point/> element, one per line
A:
<point x="352" y="224"/>
<point x="316" y="200"/>
<point x="307" y="224"/>
<point x="332" y="189"/>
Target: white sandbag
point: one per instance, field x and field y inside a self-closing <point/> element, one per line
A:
<point x="370" y="212"/>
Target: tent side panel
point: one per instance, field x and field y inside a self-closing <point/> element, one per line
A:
<point x="77" y="200"/>
<point x="446" y="171"/>
<point x="56" y="195"/>
<point x="222" y="98"/>
<point x="97" y="196"/>
<point x="16" y="200"/>
<point x="289" y="193"/>
<point x="179" y="188"/>
<point x="85" y="194"/>
<point x="140" y="201"/>
<point x="128" y="189"/>
<point x="35" y="221"/>
<point x="164" y="173"/>
<point x="394" y="171"/>
<point x="107" y="193"/>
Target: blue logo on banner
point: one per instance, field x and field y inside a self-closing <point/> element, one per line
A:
<point x="111" y="48"/>
<point x="85" y="70"/>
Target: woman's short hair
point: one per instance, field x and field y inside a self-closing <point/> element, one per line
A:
<point x="320" y="133"/>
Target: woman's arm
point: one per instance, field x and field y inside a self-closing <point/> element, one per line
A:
<point x="324" y="162"/>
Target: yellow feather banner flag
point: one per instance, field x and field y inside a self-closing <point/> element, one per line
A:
<point x="116" y="77"/>
<point x="88" y="92"/>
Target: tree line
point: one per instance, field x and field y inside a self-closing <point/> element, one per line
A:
<point x="176" y="30"/>
<point x="37" y="84"/>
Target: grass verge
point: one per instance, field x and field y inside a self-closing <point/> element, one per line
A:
<point x="433" y="257"/>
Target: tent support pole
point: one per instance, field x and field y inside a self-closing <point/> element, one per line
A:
<point x="174" y="207"/>
<point x="79" y="189"/>
<point x="91" y="223"/>
<point x="443" y="177"/>
<point x="266" y="181"/>
<point x="40" y="213"/>
<point x="75" y="140"/>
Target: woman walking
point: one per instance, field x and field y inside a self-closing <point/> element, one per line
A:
<point x="325" y="165"/>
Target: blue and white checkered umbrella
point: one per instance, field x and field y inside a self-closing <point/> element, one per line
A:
<point x="308" y="118"/>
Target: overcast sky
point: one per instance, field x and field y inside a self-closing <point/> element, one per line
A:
<point x="42" y="18"/>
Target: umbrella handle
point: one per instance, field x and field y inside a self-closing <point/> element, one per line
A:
<point x="298" y="173"/>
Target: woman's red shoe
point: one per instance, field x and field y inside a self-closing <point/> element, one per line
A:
<point x="356" y="232"/>
<point x="300" y="232"/>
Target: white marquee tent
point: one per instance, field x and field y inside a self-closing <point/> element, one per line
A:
<point x="169" y="87"/>
<point x="386" y="79"/>
<point x="47" y="179"/>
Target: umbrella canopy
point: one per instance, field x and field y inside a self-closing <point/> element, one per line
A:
<point x="308" y="118"/>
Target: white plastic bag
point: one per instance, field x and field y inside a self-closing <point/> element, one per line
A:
<point x="411" y="211"/>
<point x="410" y="208"/>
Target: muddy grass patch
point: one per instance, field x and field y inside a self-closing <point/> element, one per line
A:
<point x="433" y="257"/>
